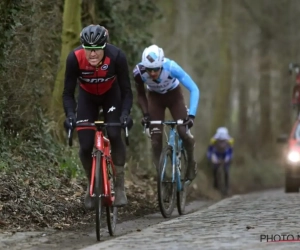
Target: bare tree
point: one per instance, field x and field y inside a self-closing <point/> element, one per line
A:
<point x="70" y="39"/>
<point x="222" y="95"/>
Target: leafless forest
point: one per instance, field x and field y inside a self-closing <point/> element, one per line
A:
<point x="236" y="51"/>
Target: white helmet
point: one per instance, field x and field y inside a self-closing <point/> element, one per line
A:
<point x="153" y="57"/>
<point x="222" y="134"/>
<point x="222" y="130"/>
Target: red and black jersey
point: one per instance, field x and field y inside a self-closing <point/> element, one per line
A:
<point x="97" y="80"/>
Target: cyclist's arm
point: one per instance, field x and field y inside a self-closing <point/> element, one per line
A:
<point x="229" y="154"/>
<point x="124" y="82"/>
<point x="186" y="80"/>
<point x="209" y="151"/>
<point x="71" y="75"/>
<point x="141" y="94"/>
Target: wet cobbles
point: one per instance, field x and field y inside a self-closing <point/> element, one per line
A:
<point x="250" y="221"/>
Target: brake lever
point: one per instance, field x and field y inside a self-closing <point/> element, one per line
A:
<point x="145" y="127"/>
<point x="70" y="133"/>
<point x="70" y="137"/>
<point x="126" y="134"/>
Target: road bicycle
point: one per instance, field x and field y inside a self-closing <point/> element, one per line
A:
<point x="103" y="174"/>
<point x="171" y="179"/>
<point x="219" y="177"/>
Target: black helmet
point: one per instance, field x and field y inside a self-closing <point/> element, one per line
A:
<point x="93" y="36"/>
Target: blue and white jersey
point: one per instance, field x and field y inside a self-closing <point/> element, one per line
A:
<point x="171" y="76"/>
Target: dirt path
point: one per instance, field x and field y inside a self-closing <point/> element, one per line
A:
<point x="84" y="236"/>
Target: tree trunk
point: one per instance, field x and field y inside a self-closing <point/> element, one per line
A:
<point x="89" y="12"/>
<point x="243" y="101"/>
<point x="222" y="94"/>
<point x="70" y="39"/>
<point x="286" y="84"/>
<point x="284" y="109"/>
<point x="265" y="136"/>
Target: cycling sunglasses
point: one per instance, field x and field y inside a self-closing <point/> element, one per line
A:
<point x="91" y="48"/>
<point x="153" y="69"/>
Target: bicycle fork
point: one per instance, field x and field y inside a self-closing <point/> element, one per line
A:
<point x="179" y="167"/>
<point x="104" y="177"/>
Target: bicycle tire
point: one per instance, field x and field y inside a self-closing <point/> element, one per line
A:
<point x="98" y="192"/>
<point x="181" y="195"/>
<point x="166" y="212"/>
<point x="221" y="179"/>
<point x="111" y="211"/>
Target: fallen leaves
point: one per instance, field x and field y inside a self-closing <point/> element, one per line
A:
<point x="50" y="202"/>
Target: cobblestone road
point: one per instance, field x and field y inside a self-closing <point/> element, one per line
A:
<point x="240" y="222"/>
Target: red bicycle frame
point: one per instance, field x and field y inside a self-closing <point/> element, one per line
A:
<point x="102" y="144"/>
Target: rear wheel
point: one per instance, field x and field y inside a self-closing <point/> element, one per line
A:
<point x="111" y="211"/>
<point x="181" y="195"/>
<point x="98" y="193"/>
<point x="166" y="188"/>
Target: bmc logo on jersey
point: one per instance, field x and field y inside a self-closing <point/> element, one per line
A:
<point x="104" y="67"/>
<point x="96" y="80"/>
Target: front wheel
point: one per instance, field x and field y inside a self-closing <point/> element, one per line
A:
<point x="98" y="192"/>
<point x="181" y="194"/>
<point x="166" y="187"/>
<point x="111" y="211"/>
<point x="221" y="179"/>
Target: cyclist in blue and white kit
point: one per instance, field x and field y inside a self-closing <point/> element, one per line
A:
<point x="163" y="77"/>
<point x="220" y="153"/>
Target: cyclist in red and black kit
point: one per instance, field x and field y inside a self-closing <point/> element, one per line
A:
<point x="101" y="70"/>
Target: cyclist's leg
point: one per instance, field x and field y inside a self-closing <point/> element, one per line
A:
<point x="156" y="108"/>
<point x="112" y="111"/>
<point x="214" y="160"/>
<point x="178" y="110"/>
<point x="86" y="110"/>
<point x="215" y="168"/>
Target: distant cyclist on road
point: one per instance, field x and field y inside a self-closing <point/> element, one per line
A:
<point x="219" y="153"/>
<point x="102" y="72"/>
<point x="163" y="77"/>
